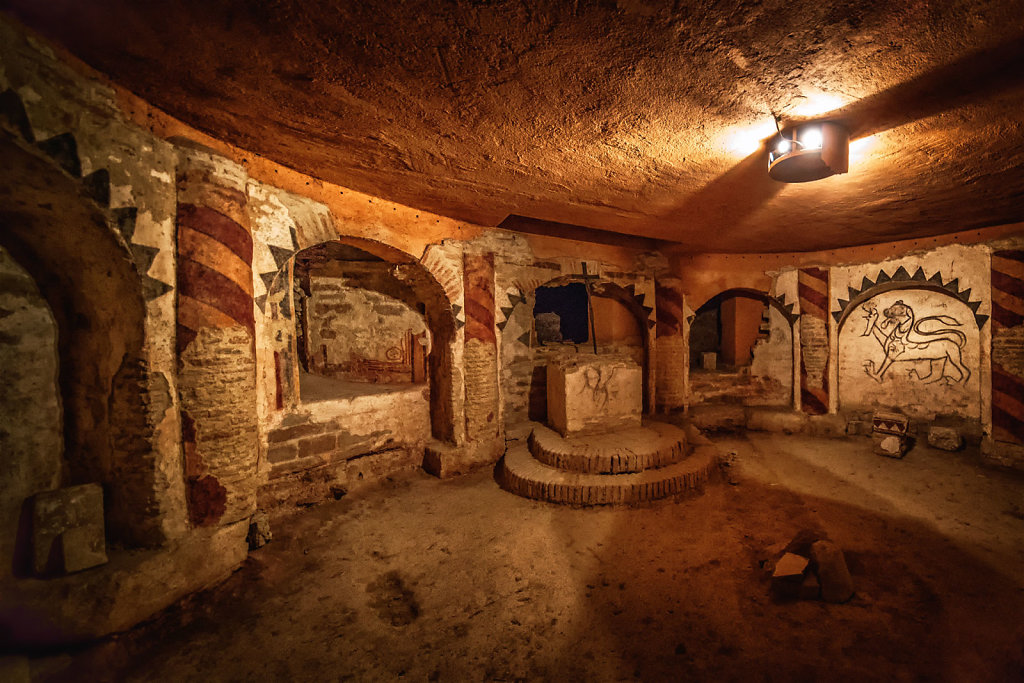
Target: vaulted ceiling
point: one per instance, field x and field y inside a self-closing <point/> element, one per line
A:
<point x="642" y="117"/>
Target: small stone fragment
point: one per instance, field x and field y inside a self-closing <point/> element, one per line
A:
<point x="788" y="575"/>
<point x="259" y="531"/>
<point x="833" y="574"/>
<point x="75" y="509"/>
<point x="790" y="565"/>
<point x="810" y="589"/>
<point x="945" y="438"/>
<point x="83" y="547"/>
<point x="709" y="360"/>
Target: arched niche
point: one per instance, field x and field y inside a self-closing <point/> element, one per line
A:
<point x="31" y="426"/>
<point x="751" y="336"/>
<point x="913" y="349"/>
<point x="392" y="282"/>
<point x="86" y="274"/>
<point x="619" y="317"/>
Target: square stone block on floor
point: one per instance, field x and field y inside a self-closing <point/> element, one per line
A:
<point x="594" y="394"/>
<point x="67" y="530"/>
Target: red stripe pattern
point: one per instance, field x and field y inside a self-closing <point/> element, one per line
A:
<point x="207" y="296"/>
<point x="669" y="306"/>
<point x="812" y="291"/>
<point x="1007" y="315"/>
<point x="478" y="275"/>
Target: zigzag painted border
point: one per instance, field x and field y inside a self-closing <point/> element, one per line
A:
<point x="902" y="275"/>
<point x="62" y="149"/>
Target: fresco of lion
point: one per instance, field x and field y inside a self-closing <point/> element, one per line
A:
<point x="905" y="339"/>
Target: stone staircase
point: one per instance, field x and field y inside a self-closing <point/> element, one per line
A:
<point x="626" y="467"/>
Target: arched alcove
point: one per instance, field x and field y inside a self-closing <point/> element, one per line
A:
<point x="86" y="274"/>
<point x="31" y="433"/>
<point x="620" y="324"/>
<point x="741" y="350"/>
<point x="913" y="349"/>
<point x="360" y="317"/>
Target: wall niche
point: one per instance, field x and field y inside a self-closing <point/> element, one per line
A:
<point x="741" y="351"/>
<point x="356" y="323"/>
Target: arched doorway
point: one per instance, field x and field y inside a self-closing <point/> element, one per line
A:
<point x="741" y="350"/>
<point x="556" y="321"/>
<point x="85" y="273"/>
<point x="356" y="316"/>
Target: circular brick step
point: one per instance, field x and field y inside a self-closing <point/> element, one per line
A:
<point x="656" y="444"/>
<point x="522" y="474"/>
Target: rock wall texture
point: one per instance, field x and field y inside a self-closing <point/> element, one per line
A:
<point x="31" y="425"/>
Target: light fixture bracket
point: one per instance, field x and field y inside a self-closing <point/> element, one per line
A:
<point x="809" y="151"/>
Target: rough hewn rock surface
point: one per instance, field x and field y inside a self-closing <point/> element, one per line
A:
<point x="638" y="116"/>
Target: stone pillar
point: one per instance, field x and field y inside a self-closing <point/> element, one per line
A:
<point x="480" y="358"/>
<point x="1008" y="356"/>
<point x="216" y="356"/>
<point x="673" y="353"/>
<point x="812" y="289"/>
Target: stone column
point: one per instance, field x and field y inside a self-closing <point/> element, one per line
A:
<point x="216" y="356"/>
<point x="480" y="358"/>
<point x="672" y="349"/>
<point x="812" y="289"/>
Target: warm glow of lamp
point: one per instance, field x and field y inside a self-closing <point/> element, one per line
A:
<point x="748" y="140"/>
<point x="811" y="138"/>
<point x="814" y="103"/>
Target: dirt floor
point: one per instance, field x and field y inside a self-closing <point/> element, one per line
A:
<point x="459" y="580"/>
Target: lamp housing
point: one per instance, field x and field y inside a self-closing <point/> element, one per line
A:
<point x="809" y="151"/>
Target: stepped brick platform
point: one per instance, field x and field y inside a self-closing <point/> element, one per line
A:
<point x="660" y="467"/>
<point x="634" y="449"/>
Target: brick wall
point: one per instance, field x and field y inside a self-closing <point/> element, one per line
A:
<point x="333" y="446"/>
<point x="362" y="335"/>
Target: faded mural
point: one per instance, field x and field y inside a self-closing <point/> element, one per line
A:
<point x="910" y="349"/>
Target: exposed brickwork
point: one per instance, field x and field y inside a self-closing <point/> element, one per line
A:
<point x="630" y="450"/>
<point x="217" y="385"/>
<point x="523" y="475"/>
<point x="480" y="368"/>
<point x="812" y="286"/>
<point x="670" y="371"/>
<point x="1008" y="346"/>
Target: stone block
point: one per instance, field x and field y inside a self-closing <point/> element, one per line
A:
<point x="784" y="421"/>
<point x="810" y="588"/>
<point x="790" y="564"/>
<point x="788" y="575"/>
<point x="833" y="574"/>
<point x="890" y="445"/>
<point x="945" y="438"/>
<point x="594" y="394"/>
<point x="709" y="360"/>
<point x="67" y="529"/>
<point x="83" y="547"/>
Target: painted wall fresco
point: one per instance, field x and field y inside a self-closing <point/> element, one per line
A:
<point x="913" y="350"/>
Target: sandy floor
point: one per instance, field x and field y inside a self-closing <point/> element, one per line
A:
<point x="458" y="580"/>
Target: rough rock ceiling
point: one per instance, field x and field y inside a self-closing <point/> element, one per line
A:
<point x="636" y="116"/>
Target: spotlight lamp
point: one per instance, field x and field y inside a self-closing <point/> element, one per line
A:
<point x="809" y="151"/>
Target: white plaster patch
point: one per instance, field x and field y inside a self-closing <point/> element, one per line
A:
<point x="921" y="357"/>
<point x="162" y="176"/>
